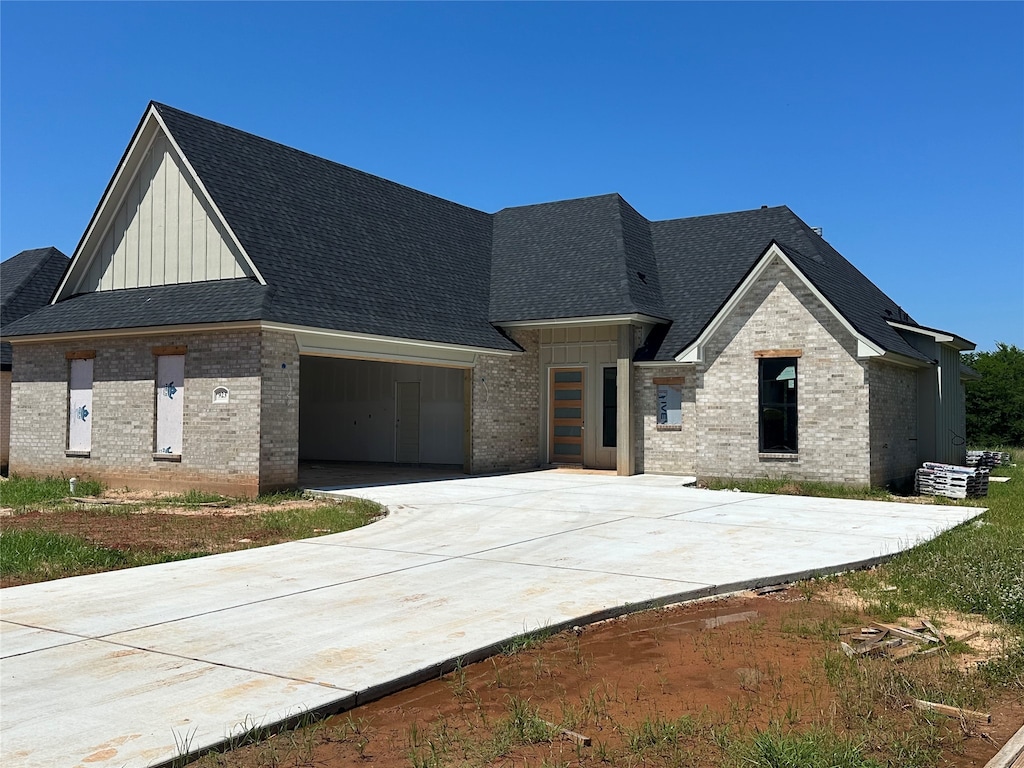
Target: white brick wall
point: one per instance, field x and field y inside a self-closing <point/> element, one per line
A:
<point x="720" y="398"/>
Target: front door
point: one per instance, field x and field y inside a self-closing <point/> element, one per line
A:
<point x="565" y="441"/>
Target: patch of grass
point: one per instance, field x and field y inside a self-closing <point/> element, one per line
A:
<point x="659" y="735"/>
<point x="787" y="487"/>
<point x="522" y="725"/>
<point x="193" y="497"/>
<point x="41" y="555"/>
<point x="26" y="491"/>
<point x="316" y="520"/>
<point x="818" y="748"/>
<point x="526" y="641"/>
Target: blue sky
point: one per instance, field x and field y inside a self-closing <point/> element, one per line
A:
<point x="898" y="128"/>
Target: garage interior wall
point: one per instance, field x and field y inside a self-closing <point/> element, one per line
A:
<point x="347" y="410"/>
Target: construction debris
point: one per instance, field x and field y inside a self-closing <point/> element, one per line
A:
<point x="896" y="642"/>
<point x="579" y="738"/>
<point x="951" y="481"/>
<point x="957" y="712"/>
<point x="987" y="459"/>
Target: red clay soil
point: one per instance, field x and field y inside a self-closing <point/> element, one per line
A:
<point x="739" y="663"/>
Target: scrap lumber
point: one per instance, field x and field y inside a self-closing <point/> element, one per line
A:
<point x="1012" y="753"/>
<point x="907" y="634"/>
<point x="957" y="712"/>
<point x="935" y="631"/>
<point x="579" y="738"/>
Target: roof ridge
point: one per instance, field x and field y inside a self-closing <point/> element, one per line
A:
<point x="720" y="215"/>
<point x="318" y="158"/>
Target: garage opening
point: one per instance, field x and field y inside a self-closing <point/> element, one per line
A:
<point x="381" y="413"/>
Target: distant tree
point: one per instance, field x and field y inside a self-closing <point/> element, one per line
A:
<point x="995" y="405"/>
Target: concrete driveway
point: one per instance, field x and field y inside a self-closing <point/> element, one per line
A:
<point x="129" y="668"/>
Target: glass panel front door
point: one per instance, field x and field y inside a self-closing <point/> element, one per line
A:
<point x="565" y="439"/>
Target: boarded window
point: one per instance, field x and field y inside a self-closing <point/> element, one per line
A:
<point x="670" y="403"/>
<point x="80" y="406"/>
<point x="778" y="411"/>
<point x="170" y="396"/>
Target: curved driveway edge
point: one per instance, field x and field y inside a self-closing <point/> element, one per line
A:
<point x="129" y="668"/>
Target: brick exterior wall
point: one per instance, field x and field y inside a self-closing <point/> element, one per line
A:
<point x="221" y="441"/>
<point x="279" y="411"/>
<point x="893" y="398"/>
<point x="505" y="415"/>
<point x="665" y="451"/>
<point x="5" y="418"/>
<point x="720" y="397"/>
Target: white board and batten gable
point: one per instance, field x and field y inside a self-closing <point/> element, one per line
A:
<point x="156" y="225"/>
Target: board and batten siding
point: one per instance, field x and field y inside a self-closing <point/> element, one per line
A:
<point x="951" y="415"/>
<point x="162" y="233"/>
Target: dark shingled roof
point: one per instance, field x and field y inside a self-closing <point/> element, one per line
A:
<point x="218" y="301"/>
<point x="573" y="258"/>
<point x="344" y="250"/>
<point x="27" y="282"/>
<point x="703" y="259"/>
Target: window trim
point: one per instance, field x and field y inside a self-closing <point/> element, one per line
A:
<point x="73" y="357"/>
<point x="782" y="454"/>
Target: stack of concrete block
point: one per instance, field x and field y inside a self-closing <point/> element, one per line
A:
<point x="951" y="481"/>
<point x="987" y="459"/>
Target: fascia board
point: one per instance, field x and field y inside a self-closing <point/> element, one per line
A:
<point x="943" y="337"/>
<point x="907" y="362"/>
<point x="586" y="320"/>
<point x="153" y="330"/>
<point x="383" y="341"/>
<point x="695" y="352"/>
<point x="659" y="364"/>
<point x="206" y="194"/>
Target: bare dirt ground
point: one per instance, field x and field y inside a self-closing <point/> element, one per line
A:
<point x="733" y="666"/>
<point x="138" y="521"/>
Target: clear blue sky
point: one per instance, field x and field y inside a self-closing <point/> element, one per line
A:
<point x="898" y="128"/>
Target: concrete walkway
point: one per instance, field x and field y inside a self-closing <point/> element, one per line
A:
<point x="128" y="668"/>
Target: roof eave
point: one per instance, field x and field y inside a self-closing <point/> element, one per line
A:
<point x="694" y="352"/>
<point x="943" y="337"/>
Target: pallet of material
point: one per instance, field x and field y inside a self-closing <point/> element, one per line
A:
<point x="951" y="481"/>
<point x="987" y="459"/>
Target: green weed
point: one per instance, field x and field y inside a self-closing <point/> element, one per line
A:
<point x="25" y="491"/>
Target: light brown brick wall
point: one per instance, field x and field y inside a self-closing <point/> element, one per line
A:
<point x="221" y="441"/>
<point x="5" y="418"/>
<point x="279" y="412"/>
<point x="506" y="408"/>
<point x="893" y="396"/>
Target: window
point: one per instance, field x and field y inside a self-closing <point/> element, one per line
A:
<point x="670" y="403"/>
<point x="609" y="408"/>
<point x="80" y="403"/>
<point x="777" y="407"/>
<point x="170" y="396"/>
